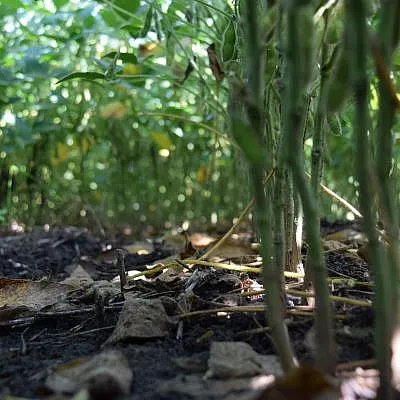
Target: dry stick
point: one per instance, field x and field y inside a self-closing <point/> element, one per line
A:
<point x="355" y="364"/>
<point x="250" y="309"/>
<point x="300" y="293"/>
<point x="235" y="225"/>
<point x="356" y="35"/>
<point x="224" y="238"/>
<point x="339" y="199"/>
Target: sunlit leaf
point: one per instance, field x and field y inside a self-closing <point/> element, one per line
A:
<point x="132" y="69"/>
<point x="162" y="140"/>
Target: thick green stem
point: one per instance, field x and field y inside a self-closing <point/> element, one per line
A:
<point x="250" y="135"/>
<point x="299" y="64"/>
<point x="320" y="121"/>
<point x="357" y="48"/>
<point x="271" y="273"/>
<point x="387" y="201"/>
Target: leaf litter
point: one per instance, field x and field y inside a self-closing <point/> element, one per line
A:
<point x="83" y="316"/>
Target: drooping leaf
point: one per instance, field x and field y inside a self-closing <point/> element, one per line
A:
<point x="147" y="22"/>
<point x="229" y="42"/>
<point x="82" y="75"/>
<point x="189" y="69"/>
<point x="338" y="85"/>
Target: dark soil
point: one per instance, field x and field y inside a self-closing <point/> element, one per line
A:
<point x="29" y="351"/>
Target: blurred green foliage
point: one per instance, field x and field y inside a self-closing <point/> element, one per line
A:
<point x="110" y="110"/>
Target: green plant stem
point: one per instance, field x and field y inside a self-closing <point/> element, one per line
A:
<point x="295" y="101"/>
<point x="320" y="122"/>
<point x="272" y="276"/>
<point x="357" y="48"/>
<point x="386" y="115"/>
<point x="272" y="272"/>
<point x="388" y="205"/>
<point x="250" y="135"/>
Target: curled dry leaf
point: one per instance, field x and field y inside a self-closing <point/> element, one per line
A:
<point x="215" y="66"/>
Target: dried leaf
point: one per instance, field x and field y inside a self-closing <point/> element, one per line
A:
<point x="32" y="294"/>
<point x="214" y="63"/>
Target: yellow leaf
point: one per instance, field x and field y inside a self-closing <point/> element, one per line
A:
<point x="62" y="153"/>
<point x="132" y="69"/>
<point x="162" y="140"/>
<point x="85" y="145"/>
<point x="201" y="174"/>
<point x="114" y="110"/>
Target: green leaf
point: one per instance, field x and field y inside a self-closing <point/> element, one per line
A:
<point x="6" y="77"/>
<point x="60" y="3"/>
<point x="9" y="7"/>
<point x="229" y="42"/>
<point x="147" y="23"/>
<point x="91" y="76"/>
<point x="15" y="4"/>
<point x="170" y="48"/>
<point x="125" y="8"/>
<point x="125" y="57"/>
<point x="110" y="18"/>
<point x="174" y="7"/>
<point x="339" y="84"/>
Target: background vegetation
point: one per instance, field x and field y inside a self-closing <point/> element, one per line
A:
<point x="139" y="136"/>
